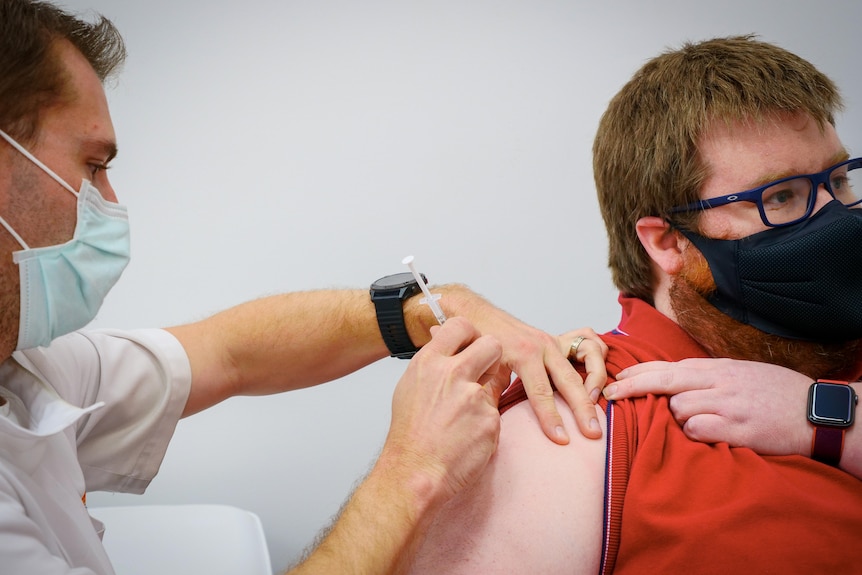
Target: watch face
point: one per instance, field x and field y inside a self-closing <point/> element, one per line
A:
<point x="831" y="404"/>
<point x="394" y="281"/>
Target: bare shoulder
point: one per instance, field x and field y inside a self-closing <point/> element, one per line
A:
<point x="536" y="509"/>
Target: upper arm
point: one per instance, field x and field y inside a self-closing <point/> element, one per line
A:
<point x="213" y="377"/>
<point x="538" y="507"/>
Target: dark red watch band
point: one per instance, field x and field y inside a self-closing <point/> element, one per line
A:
<point x="827" y="444"/>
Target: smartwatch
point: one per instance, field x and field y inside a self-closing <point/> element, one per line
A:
<point x="388" y="294"/>
<point x="831" y="409"/>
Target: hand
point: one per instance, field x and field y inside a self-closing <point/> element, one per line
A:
<point x="445" y="422"/>
<point x="744" y="403"/>
<point x="538" y="358"/>
<point x="445" y="427"/>
<point x="592" y="352"/>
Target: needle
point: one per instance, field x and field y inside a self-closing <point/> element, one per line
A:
<point x="430" y="299"/>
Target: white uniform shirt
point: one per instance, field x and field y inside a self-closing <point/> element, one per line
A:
<point x="93" y="411"/>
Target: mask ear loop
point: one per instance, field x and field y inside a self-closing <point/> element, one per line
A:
<point x="45" y="168"/>
<point x="36" y="161"/>
<point x="14" y="234"/>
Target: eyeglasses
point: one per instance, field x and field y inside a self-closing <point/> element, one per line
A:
<point x="790" y="200"/>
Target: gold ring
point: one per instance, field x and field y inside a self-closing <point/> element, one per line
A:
<point x="573" y="350"/>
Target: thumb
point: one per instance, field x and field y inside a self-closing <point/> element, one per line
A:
<point x="495" y="384"/>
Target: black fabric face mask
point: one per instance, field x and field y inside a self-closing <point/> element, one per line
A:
<point x="802" y="281"/>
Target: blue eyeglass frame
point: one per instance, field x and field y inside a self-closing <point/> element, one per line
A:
<point x="754" y="195"/>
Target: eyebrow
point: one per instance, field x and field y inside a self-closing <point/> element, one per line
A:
<point x="836" y="158"/>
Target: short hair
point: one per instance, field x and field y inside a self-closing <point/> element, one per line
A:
<point x="31" y="74"/>
<point x="645" y="154"/>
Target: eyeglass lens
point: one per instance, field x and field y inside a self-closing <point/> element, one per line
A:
<point x="790" y="200"/>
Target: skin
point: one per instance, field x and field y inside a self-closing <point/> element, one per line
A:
<point x="77" y="141"/>
<point x="741" y="156"/>
<point x="445" y="421"/>
<point x="417" y="473"/>
<point x="503" y="524"/>
<point x="559" y="526"/>
<point x="714" y="400"/>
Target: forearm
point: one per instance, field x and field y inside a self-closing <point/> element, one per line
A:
<point x="279" y="343"/>
<point x="302" y="339"/>
<point x="379" y="529"/>
<point x="295" y="340"/>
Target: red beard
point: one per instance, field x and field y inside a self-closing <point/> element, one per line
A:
<point x="723" y="336"/>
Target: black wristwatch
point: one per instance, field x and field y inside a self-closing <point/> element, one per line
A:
<point x="388" y="294"/>
<point x="831" y="409"/>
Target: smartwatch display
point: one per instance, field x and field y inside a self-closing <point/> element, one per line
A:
<point x="831" y="409"/>
<point x="388" y="294"/>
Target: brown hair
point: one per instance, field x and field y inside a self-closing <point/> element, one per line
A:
<point x="645" y="158"/>
<point x="31" y="76"/>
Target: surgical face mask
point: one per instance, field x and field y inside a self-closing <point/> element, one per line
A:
<point x="63" y="286"/>
<point x="803" y="281"/>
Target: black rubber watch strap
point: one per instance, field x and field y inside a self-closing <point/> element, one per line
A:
<point x="390" y="319"/>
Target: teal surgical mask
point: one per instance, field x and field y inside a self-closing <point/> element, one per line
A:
<point x="63" y="286"/>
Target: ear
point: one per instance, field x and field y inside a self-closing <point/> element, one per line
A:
<point x="663" y="244"/>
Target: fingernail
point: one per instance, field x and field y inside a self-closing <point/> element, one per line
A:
<point x="560" y="432"/>
<point x="594" y="395"/>
<point x="594" y="424"/>
<point x="610" y="391"/>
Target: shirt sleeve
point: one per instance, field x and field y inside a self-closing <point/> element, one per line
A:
<point x="144" y="377"/>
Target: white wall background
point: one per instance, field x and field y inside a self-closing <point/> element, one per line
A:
<point x="271" y="146"/>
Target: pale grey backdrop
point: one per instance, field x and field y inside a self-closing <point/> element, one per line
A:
<point x="269" y="146"/>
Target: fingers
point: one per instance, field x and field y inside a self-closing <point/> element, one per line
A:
<point x="495" y="384"/>
<point x="685" y="405"/>
<point x="646" y="367"/>
<point x="585" y="346"/>
<point x="455" y="334"/>
<point x="539" y="359"/>
<point x="479" y="356"/>
<point x="711" y="365"/>
<point x="592" y="353"/>
<point x="540" y="394"/>
<point x="571" y="386"/>
<point x="572" y="341"/>
<point x="659" y="378"/>
<point x="445" y="424"/>
<point x="707" y="428"/>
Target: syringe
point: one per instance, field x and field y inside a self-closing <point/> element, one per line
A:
<point x="430" y="299"/>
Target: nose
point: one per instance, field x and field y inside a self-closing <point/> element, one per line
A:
<point x="107" y="190"/>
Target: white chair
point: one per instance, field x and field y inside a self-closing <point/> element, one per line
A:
<point x="184" y="540"/>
